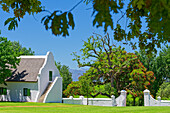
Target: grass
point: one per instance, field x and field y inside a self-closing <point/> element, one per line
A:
<point x="17" y="107"/>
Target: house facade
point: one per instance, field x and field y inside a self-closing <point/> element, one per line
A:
<point x="36" y="79"/>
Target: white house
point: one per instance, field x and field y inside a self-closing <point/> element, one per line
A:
<point x="36" y="79"/>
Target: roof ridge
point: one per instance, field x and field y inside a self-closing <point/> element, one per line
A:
<point x="37" y="56"/>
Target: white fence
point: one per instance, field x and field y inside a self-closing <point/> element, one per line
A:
<point x="150" y="101"/>
<point x="120" y="101"/>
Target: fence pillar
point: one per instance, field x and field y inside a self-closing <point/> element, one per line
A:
<point x="113" y="100"/>
<point x="146" y="97"/>
<point x="71" y="98"/>
<point x="159" y="100"/>
<point x="82" y="98"/>
<point x="123" y="93"/>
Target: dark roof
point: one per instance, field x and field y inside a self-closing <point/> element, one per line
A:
<point x="27" y="71"/>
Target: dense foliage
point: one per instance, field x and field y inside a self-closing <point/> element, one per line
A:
<point x="65" y="74"/>
<point x="8" y="59"/>
<point x="164" y="91"/>
<point x="109" y="64"/>
<point x="86" y="87"/>
<point x="73" y="89"/>
<point x="160" y="65"/>
<point x="21" y="50"/>
<point x="155" y="13"/>
<point x="19" y="8"/>
<point x="9" y="51"/>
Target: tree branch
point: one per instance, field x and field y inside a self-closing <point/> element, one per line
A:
<point x="121" y="17"/>
<point x="75" y="6"/>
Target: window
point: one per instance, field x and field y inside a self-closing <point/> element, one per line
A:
<point x="50" y="75"/>
<point x="3" y="91"/>
<point x="26" y="92"/>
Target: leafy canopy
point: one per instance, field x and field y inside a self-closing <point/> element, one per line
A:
<point x="155" y="14"/>
<point x="9" y="51"/>
<point x="109" y="64"/>
<point x="160" y="65"/>
<point x="21" y="50"/>
<point x="8" y="59"/>
<point x="164" y="91"/>
<point x="65" y="74"/>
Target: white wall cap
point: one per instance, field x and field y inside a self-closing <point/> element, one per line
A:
<point x="146" y="91"/>
<point x="81" y="96"/>
<point x="112" y="96"/>
<point x="123" y="91"/>
<point x="71" y="97"/>
<point x="159" y="98"/>
<point x="37" y="56"/>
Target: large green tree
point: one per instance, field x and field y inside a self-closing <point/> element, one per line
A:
<point x="9" y="51"/>
<point x="158" y="64"/>
<point x="8" y="59"/>
<point x="109" y="64"/>
<point x="65" y="74"/>
<point x="155" y="14"/>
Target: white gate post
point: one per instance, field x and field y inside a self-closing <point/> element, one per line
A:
<point x="123" y="93"/>
<point x="82" y="98"/>
<point x="146" y="97"/>
<point x="159" y="100"/>
<point x="113" y="100"/>
<point x="71" y="98"/>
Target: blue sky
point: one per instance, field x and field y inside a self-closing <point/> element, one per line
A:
<point x="31" y="33"/>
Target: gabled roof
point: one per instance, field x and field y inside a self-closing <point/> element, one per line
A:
<point x="28" y="69"/>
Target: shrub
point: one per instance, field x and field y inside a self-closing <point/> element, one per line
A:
<point x="164" y="91"/>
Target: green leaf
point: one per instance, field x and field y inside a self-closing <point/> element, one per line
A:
<point x="140" y="3"/>
<point x="8" y="20"/>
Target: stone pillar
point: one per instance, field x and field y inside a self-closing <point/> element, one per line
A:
<point x="113" y="100"/>
<point x="123" y="94"/>
<point x="82" y="98"/>
<point x="159" y="100"/>
<point x="146" y="97"/>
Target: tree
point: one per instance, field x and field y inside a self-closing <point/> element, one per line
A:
<point x="155" y="12"/>
<point x="163" y="63"/>
<point x="8" y="59"/>
<point x="9" y="51"/>
<point x="65" y="74"/>
<point x="164" y="91"/>
<point x="72" y="89"/>
<point x="21" y="50"/>
<point x="159" y="65"/>
<point x="109" y="64"/>
<point x="86" y="87"/>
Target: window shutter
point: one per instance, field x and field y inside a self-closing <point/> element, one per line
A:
<point x="50" y="75"/>
<point x="1" y="90"/>
<point x="5" y="91"/>
<point x="28" y="92"/>
<point x="25" y="91"/>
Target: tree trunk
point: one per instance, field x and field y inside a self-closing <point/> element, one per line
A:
<point x="134" y="101"/>
<point x="87" y="94"/>
<point x="112" y="85"/>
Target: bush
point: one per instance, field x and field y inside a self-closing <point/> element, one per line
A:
<point x="130" y="102"/>
<point x="164" y="91"/>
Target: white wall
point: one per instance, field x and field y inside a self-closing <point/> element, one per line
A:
<point x="15" y="91"/>
<point x="119" y="101"/>
<point x="150" y="101"/>
<point x="49" y="65"/>
<point x="54" y="94"/>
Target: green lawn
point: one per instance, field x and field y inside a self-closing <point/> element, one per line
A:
<point x="12" y="107"/>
